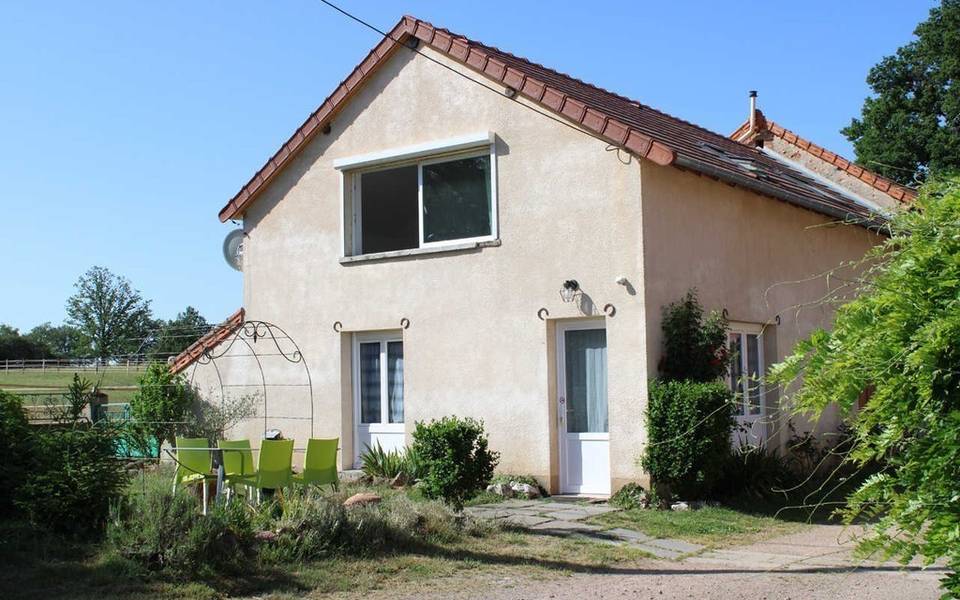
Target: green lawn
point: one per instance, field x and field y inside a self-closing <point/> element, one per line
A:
<point x="33" y="565"/>
<point x="713" y="526"/>
<point x="118" y="384"/>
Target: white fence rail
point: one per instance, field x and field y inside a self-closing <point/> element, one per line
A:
<point x="138" y="363"/>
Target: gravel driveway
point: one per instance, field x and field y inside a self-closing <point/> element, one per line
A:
<point x="812" y="564"/>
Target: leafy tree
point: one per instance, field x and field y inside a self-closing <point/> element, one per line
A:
<point x="896" y="350"/>
<point x="911" y="126"/>
<point x="110" y="313"/>
<point x="161" y="403"/>
<point x="62" y="341"/>
<point x="694" y="348"/>
<point x="177" y="334"/>
<point x="14" y="346"/>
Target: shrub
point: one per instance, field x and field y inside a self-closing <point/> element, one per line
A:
<point x="161" y="529"/>
<point x="377" y="462"/>
<point x="17" y="458"/>
<point x="755" y="472"/>
<point x="891" y="355"/>
<point x="312" y="525"/>
<point x="159" y="405"/>
<point x="456" y="461"/>
<point x="76" y="478"/>
<point x="632" y="496"/>
<point x="688" y="427"/>
<point x="693" y="348"/>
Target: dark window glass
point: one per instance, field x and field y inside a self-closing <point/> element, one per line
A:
<point x="456" y="199"/>
<point x="388" y="210"/>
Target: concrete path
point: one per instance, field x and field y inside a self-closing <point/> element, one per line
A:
<point x="814" y="564"/>
<point x="566" y="519"/>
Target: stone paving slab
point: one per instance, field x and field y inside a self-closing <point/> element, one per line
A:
<point x="511" y="504"/>
<point x="526" y="520"/>
<point x="675" y="545"/>
<point x="658" y="551"/>
<point x="558" y="525"/>
<point x="629" y="535"/>
<point x="568" y="515"/>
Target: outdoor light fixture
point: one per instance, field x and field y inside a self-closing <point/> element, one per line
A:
<point x="569" y="290"/>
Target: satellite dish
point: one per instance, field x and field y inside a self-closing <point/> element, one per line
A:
<point x="233" y="249"/>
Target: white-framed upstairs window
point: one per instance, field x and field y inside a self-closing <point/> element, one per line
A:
<point x="428" y="196"/>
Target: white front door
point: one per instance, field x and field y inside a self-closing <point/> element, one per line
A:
<point x="378" y="392"/>
<point x="746" y="383"/>
<point x="582" y="408"/>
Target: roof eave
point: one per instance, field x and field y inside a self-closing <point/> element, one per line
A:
<point x="875" y="222"/>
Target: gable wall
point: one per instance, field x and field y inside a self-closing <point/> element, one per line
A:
<point x="568" y="208"/>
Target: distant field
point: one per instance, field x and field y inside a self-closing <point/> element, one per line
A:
<point x="119" y="385"/>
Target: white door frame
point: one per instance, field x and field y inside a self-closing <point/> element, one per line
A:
<point x="384" y="338"/>
<point x="562" y="328"/>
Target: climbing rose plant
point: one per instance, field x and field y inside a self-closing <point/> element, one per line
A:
<point x="896" y="350"/>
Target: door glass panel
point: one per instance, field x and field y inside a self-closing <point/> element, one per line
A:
<point x="585" y="352"/>
<point x="736" y="371"/>
<point x="456" y="199"/>
<point x="395" y="381"/>
<point x="370" y="383"/>
<point x="753" y="371"/>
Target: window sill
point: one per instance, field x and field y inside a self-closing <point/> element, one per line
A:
<point x="394" y="254"/>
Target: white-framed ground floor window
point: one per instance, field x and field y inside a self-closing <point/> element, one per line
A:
<point x="378" y="391"/>
<point x="747" y="368"/>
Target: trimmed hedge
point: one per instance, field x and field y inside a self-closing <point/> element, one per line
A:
<point x="689" y="426"/>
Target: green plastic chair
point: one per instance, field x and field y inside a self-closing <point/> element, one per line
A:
<point x="239" y="467"/>
<point x="320" y="463"/>
<point x="275" y="466"/>
<point x="193" y="465"/>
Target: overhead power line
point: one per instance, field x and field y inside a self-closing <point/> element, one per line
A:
<point x="498" y="92"/>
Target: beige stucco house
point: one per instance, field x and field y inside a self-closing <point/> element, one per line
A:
<point x="459" y="231"/>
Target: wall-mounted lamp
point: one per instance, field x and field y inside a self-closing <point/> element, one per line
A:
<point x="569" y="290"/>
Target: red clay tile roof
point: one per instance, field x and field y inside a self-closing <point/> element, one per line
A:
<point x="209" y="340"/>
<point x="896" y="191"/>
<point x="639" y="129"/>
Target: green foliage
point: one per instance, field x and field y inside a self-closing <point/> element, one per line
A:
<point x="911" y="125"/>
<point x="377" y="462"/>
<point x="897" y="347"/>
<point x="688" y="428"/>
<point x="756" y="472"/>
<point x="693" y="348"/>
<point x="17" y="451"/>
<point x="161" y="529"/>
<point x="159" y="406"/>
<point x="14" y="346"/>
<point x="212" y="420"/>
<point x="110" y="313"/>
<point x="456" y="461"/>
<point x="61" y="341"/>
<point x="75" y="478"/>
<point x="177" y="334"/>
<point x="632" y="496"/>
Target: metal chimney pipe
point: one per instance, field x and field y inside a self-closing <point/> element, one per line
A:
<point x="753" y="110"/>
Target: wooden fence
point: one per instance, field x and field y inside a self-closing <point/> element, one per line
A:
<point x="138" y="363"/>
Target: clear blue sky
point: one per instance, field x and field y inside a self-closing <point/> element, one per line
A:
<point x="125" y="126"/>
